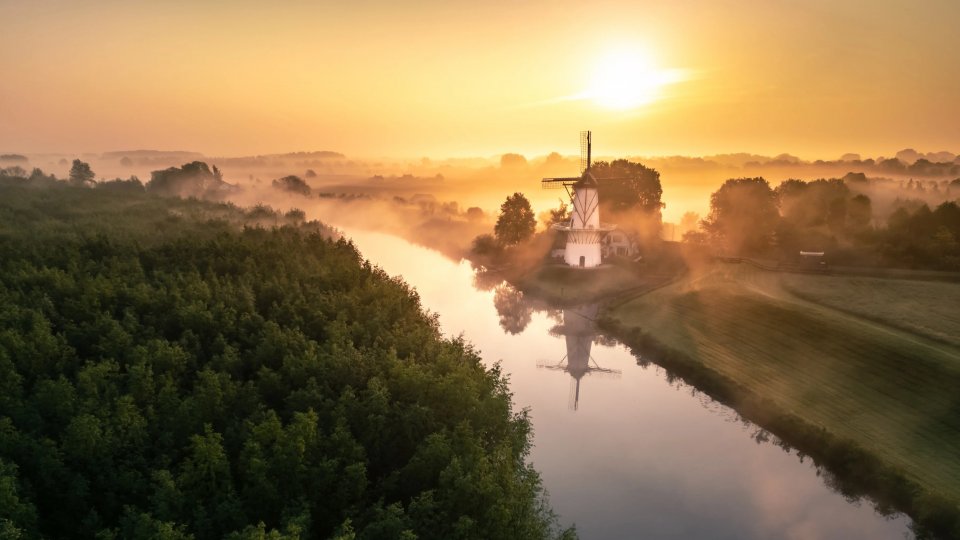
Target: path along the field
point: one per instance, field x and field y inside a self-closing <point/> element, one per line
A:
<point x="873" y="360"/>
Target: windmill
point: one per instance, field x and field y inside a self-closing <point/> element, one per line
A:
<point x="578" y="332"/>
<point x="584" y="231"/>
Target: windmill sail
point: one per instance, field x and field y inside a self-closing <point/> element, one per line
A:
<point x="585" y="143"/>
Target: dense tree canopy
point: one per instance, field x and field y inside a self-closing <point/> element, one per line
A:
<point x="195" y="179"/>
<point x="923" y="238"/>
<point x="167" y="374"/>
<point x="516" y="222"/>
<point x="743" y="215"/>
<point x="626" y="186"/>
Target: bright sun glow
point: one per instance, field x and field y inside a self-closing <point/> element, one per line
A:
<point x="627" y="80"/>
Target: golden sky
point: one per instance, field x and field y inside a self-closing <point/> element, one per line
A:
<point x="815" y="78"/>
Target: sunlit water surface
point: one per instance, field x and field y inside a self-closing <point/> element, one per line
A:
<point x="639" y="456"/>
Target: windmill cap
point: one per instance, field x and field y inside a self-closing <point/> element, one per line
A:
<point x="587" y="180"/>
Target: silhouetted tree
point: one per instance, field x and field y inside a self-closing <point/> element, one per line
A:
<point x="475" y="213"/>
<point x="194" y="179"/>
<point x="14" y="171"/>
<point x="292" y="184"/>
<point x="859" y="212"/>
<point x="508" y="161"/>
<point x="81" y="174"/>
<point x="516" y="222"/>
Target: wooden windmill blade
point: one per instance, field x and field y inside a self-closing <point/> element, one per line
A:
<point x="586" y="141"/>
<point x="557" y="183"/>
<point x="560" y="366"/>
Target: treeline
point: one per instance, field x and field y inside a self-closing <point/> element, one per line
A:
<point x="166" y="372"/>
<point x="748" y="217"/>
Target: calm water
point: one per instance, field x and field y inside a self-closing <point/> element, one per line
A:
<point x="627" y="453"/>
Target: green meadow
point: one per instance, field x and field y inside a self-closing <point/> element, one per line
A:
<point x="874" y="363"/>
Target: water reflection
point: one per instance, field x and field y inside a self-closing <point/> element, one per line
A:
<point x="513" y="310"/>
<point x="579" y="332"/>
<point x="647" y="456"/>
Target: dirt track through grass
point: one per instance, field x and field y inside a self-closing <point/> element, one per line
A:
<point x="894" y="391"/>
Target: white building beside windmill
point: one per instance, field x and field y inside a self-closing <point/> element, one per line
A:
<point x="584" y="231"/>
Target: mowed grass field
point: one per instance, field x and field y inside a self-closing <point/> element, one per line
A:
<point x="858" y="361"/>
<point x="929" y="308"/>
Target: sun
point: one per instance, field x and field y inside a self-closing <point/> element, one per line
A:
<point x="625" y="80"/>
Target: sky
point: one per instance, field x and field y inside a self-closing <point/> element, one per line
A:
<point x="814" y="78"/>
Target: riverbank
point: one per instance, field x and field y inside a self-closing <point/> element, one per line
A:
<point x="873" y="402"/>
<point x="562" y="285"/>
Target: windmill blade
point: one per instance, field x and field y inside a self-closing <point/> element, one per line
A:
<point x="604" y="373"/>
<point x="602" y="178"/>
<point x="595" y="368"/>
<point x="561" y="365"/>
<point x="556" y="183"/>
<point x="585" y="144"/>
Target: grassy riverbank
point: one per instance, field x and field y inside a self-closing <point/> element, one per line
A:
<point x="565" y="285"/>
<point x="874" y="397"/>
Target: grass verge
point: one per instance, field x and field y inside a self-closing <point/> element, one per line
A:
<point x="877" y="405"/>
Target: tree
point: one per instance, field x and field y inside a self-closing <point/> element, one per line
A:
<point x="560" y="214"/>
<point x="516" y="222"/>
<point x="624" y="185"/>
<point x="743" y="215"/>
<point x="81" y="174"/>
<point x="859" y="212"/>
<point x="689" y="222"/>
<point x="292" y="184"/>
<point x="514" y="312"/>
<point x="512" y="161"/>
<point x="14" y="171"/>
<point x="194" y="179"/>
<point x="630" y="196"/>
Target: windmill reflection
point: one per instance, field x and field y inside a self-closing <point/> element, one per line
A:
<point x="579" y="332"/>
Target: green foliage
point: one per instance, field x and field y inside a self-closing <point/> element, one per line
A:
<point x="166" y="373"/>
<point x="81" y="173"/>
<point x="923" y="238"/>
<point x="743" y="215"/>
<point x="625" y="186"/>
<point x="131" y="185"/>
<point x="516" y="222"/>
<point x="195" y="179"/>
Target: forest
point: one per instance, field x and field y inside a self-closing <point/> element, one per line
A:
<point x="173" y="368"/>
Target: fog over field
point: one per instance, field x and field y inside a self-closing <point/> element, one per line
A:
<point x="687" y="182"/>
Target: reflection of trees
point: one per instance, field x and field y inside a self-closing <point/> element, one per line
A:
<point x="485" y="280"/>
<point x="605" y="341"/>
<point x="514" y="312"/>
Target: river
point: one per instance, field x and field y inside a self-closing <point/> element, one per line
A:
<point x="624" y="451"/>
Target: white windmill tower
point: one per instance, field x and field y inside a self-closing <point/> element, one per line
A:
<point x="584" y="231"/>
<point x="578" y="331"/>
